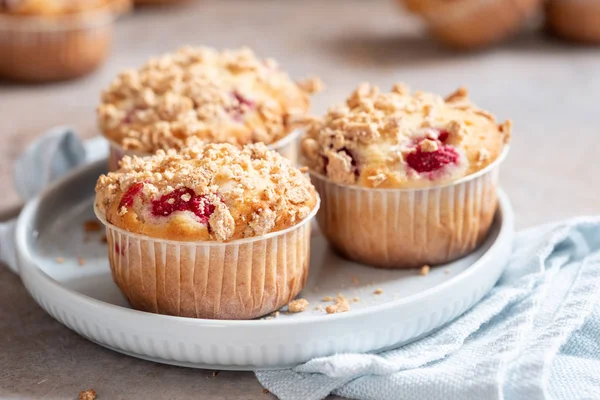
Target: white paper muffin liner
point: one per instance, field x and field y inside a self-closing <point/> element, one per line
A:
<point x="575" y="19"/>
<point x="408" y="228"/>
<point x="286" y="146"/>
<point x="241" y="279"/>
<point x="54" y="48"/>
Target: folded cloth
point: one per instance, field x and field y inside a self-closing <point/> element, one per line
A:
<point x="534" y="336"/>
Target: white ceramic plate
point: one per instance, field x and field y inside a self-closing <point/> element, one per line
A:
<point x="85" y="299"/>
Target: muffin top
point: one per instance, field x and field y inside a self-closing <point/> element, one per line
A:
<point x="403" y="140"/>
<point x="56" y="7"/>
<point x="200" y="93"/>
<point x="213" y="192"/>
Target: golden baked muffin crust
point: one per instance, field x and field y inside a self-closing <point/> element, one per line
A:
<point x="201" y="93"/>
<point x="403" y="140"/>
<point x="55" y="7"/>
<point x="213" y="192"/>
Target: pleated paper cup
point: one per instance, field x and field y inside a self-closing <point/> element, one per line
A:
<point x="577" y="20"/>
<point x="477" y="23"/>
<point x="286" y="146"/>
<point x="408" y="228"/>
<point x="241" y="279"/>
<point x="40" y="49"/>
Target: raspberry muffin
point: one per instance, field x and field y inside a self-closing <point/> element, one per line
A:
<point x="575" y="19"/>
<point x="405" y="179"/>
<point x="208" y="232"/>
<point x="201" y="94"/>
<point x="48" y="40"/>
<point x="467" y="24"/>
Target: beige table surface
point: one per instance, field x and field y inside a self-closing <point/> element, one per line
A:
<point x="549" y="88"/>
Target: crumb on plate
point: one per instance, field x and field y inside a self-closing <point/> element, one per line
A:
<point x="341" y="305"/>
<point x="378" y="291"/>
<point x="60" y="260"/>
<point x="356" y="300"/>
<point x="92" y="226"/>
<point x="81" y="261"/>
<point x="425" y="270"/>
<point x="327" y="298"/>
<point x="297" y="306"/>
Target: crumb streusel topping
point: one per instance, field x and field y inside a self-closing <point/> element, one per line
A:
<point x="228" y="96"/>
<point x="399" y="139"/>
<point x="213" y="192"/>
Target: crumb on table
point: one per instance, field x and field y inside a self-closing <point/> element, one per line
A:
<point x="327" y="298"/>
<point x="378" y="291"/>
<point x="215" y="373"/>
<point x="297" y="306"/>
<point x="341" y="305"/>
<point x="104" y="239"/>
<point x="425" y="270"/>
<point x="355" y="280"/>
<point x="89" y="394"/>
<point x="265" y="391"/>
<point x="92" y="226"/>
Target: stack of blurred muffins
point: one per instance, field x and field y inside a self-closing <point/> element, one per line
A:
<point x="208" y="207"/>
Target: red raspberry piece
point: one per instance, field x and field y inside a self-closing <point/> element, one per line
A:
<point x="128" y="197"/>
<point x="169" y="203"/>
<point x="422" y="161"/>
<point x="443" y="136"/>
<point x="243" y="104"/>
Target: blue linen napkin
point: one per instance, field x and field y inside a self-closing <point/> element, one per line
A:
<point x="536" y="335"/>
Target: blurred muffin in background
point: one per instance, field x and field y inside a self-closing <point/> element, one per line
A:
<point x="468" y="24"/>
<point x="49" y="40"/>
<point x="200" y="94"/>
<point x="575" y="19"/>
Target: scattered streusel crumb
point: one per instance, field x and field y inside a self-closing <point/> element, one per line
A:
<point x="265" y="391"/>
<point x="378" y="291"/>
<point x="319" y="308"/>
<point x="92" y="226"/>
<point x="447" y="271"/>
<point x="81" y="261"/>
<point x="89" y="394"/>
<point x="60" y="260"/>
<point x="298" y="305"/>
<point x="341" y="305"/>
<point x="355" y="280"/>
<point x="425" y="270"/>
<point x="215" y="373"/>
<point x="327" y="298"/>
<point x="356" y="300"/>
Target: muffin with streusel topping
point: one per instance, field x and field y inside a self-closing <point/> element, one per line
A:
<point x="406" y="179"/>
<point x="201" y="94"/>
<point x="212" y="231"/>
<point x="48" y="40"/>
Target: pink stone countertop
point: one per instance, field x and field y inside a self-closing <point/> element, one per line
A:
<point x="550" y="89"/>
